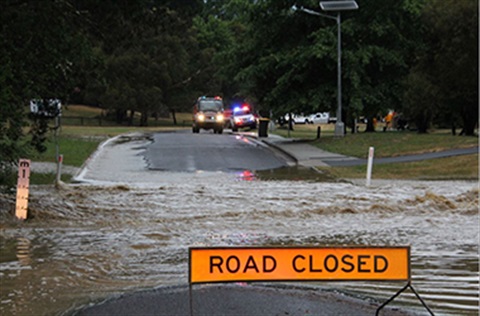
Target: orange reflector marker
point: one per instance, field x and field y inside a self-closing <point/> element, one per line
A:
<point x="208" y="265"/>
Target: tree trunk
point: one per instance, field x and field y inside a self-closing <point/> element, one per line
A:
<point x="370" y="127"/>
<point x="130" y="119"/>
<point x="422" y="125"/>
<point x="174" y="116"/>
<point x="120" y="116"/>
<point x="470" y="121"/>
<point x="144" y="119"/>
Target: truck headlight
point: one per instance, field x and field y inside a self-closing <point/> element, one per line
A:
<point x="220" y="118"/>
<point x="201" y="117"/>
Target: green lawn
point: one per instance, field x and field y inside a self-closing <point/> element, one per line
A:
<point x="451" y="168"/>
<point x="75" y="150"/>
<point x="391" y="144"/>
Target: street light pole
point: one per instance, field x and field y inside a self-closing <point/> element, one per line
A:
<point x="339" y="125"/>
<point x="337" y="6"/>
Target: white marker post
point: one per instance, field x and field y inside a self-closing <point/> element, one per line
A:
<point x="370" y="165"/>
<point x="22" y="189"/>
<point x="59" y="169"/>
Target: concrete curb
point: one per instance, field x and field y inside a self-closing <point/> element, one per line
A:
<point x="79" y="176"/>
<point x="279" y="148"/>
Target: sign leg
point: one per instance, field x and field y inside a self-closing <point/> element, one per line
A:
<point x="190" y="298"/>
<point x="391" y="299"/>
<point x="409" y="285"/>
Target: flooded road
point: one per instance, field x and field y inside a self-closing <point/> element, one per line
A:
<point x="87" y="242"/>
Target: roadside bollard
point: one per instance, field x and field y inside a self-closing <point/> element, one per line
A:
<point x="319" y="131"/>
<point x="369" y="165"/>
<point x="59" y="169"/>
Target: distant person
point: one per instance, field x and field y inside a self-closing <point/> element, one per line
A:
<point x="389" y="120"/>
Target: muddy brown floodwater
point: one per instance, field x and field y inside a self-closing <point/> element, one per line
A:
<point x="86" y="242"/>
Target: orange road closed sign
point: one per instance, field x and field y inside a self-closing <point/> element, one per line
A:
<point x="231" y="264"/>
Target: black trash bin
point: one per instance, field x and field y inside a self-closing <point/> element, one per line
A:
<point x="263" y="127"/>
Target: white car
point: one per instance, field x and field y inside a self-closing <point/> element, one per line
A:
<point x="298" y="119"/>
<point x="242" y="117"/>
<point x="319" y="118"/>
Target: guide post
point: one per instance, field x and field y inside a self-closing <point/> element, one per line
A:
<point x="23" y="184"/>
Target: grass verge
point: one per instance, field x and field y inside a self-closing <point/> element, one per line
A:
<point x="391" y="144"/>
<point x="75" y="150"/>
<point x="48" y="178"/>
<point x="386" y="144"/>
<point x="451" y="168"/>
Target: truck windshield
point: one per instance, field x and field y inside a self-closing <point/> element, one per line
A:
<point x="213" y="105"/>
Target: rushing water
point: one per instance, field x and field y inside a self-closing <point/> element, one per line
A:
<point x="130" y="229"/>
<point x="87" y="242"/>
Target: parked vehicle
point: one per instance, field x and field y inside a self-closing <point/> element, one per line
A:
<point x="332" y="120"/>
<point x="319" y="118"/>
<point x="298" y="119"/>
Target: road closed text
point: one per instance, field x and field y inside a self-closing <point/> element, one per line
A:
<point x="284" y="264"/>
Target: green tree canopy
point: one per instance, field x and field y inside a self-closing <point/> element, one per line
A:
<point x="447" y="64"/>
<point x="149" y="59"/>
<point x="287" y="60"/>
<point x="42" y="51"/>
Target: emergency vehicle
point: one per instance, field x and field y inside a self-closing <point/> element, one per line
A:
<point x="208" y="114"/>
<point x="241" y="117"/>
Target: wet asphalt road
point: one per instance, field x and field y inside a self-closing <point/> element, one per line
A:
<point x="237" y="300"/>
<point x="187" y="152"/>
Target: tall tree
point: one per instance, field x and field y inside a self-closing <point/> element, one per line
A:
<point x="218" y="29"/>
<point x="287" y="60"/>
<point x="452" y="31"/>
<point x="42" y="50"/>
<point x="381" y="39"/>
<point x="148" y="63"/>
